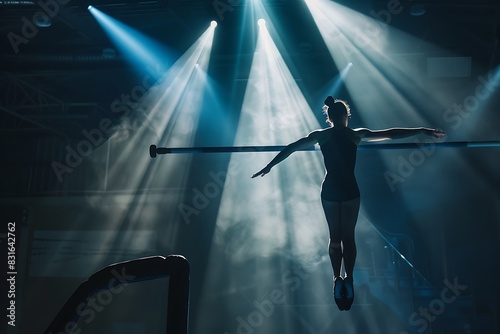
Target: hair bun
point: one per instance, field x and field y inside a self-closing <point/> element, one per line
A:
<point x="329" y="101"/>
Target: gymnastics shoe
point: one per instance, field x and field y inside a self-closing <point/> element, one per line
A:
<point x="349" y="292"/>
<point x="339" y="293"/>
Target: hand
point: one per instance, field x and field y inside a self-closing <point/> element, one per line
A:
<point x="262" y="172"/>
<point x="436" y="133"/>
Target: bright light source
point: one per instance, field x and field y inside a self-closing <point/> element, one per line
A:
<point x="261" y="22"/>
<point x="90" y="7"/>
<point x="213" y="24"/>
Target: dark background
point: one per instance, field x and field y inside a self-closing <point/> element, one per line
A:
<point x="445" y="220"/>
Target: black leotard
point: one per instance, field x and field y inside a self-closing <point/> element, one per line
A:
<point x="339" y="154"/>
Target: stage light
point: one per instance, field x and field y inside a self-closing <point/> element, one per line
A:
<point x="417" y="9"/>
<point x="42" y="21"/>
<point x="90" y="7"/>
<point x="140" y="50"/>
<point x="261" y="22"/>
<point x="213" y="24"/>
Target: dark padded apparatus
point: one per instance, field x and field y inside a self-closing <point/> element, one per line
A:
<point x="174" y="266"/>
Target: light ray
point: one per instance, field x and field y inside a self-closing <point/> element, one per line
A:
<point x="274" y="222"/>
<point x="168" y="113"/>
<point x="140" y="50"/>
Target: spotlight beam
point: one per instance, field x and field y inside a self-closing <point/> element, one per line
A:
<point x="154" y="150"/>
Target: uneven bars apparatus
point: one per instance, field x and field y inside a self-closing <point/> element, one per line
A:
<point x="154" y="150"/>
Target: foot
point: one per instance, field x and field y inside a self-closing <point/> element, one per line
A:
<point x="349" y="292"/>
<point x="339" y="292"/>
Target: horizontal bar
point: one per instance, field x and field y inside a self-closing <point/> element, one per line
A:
<point x="455" y="144"/>
<point x="153" y="150"/>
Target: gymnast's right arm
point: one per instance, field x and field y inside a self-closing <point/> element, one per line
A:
<point x="302" y="143"/>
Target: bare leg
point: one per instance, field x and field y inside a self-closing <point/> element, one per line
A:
<point x="342" y="218"/>
<point x="349" y="216"/>
<point x="333" y="218"/>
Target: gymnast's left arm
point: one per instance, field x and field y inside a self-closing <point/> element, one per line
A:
<point x="396" y="133"/>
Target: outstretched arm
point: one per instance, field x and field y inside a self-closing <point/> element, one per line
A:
<point x="396" y="133"/>
<point x="302" y="143"/>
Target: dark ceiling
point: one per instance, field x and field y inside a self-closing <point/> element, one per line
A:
<point x="71" y="64"/>
<point x="60" y="77"/>
<point x="70" y="60"/>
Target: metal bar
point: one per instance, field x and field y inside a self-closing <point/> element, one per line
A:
<point x="154" y="150"/>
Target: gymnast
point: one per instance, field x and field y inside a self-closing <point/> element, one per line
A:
<point x="340" y="195"/>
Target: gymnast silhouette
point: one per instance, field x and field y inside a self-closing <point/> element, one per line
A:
<point x="340" y="195"/>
